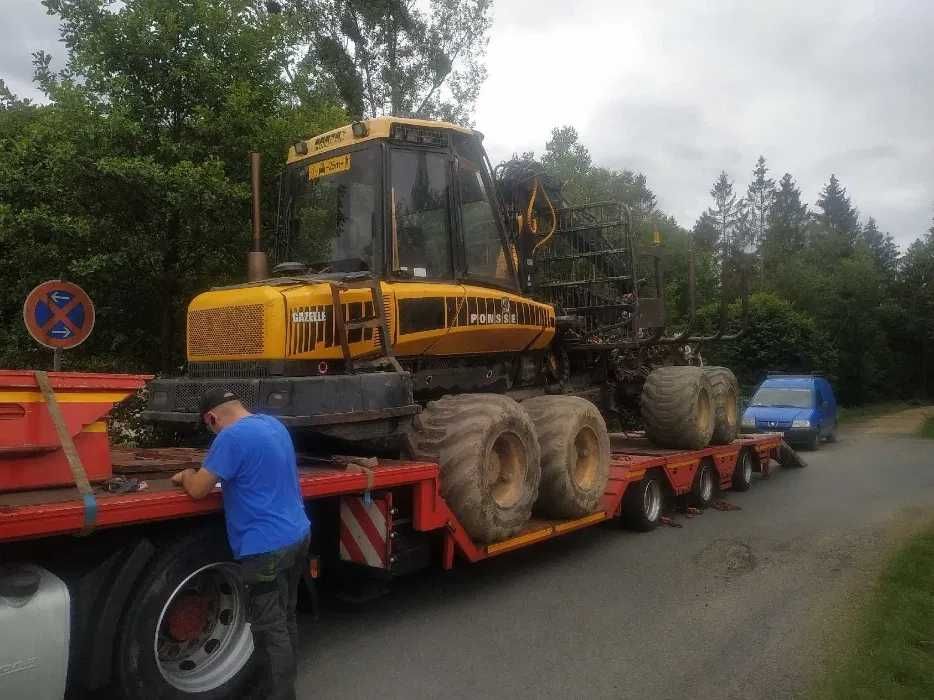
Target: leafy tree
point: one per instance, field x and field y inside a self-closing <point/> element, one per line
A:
<point x="133" y="181"/>
<point x="395" y="56"/>
<point x="779" y="338"/>
<point x="568" y="160"/>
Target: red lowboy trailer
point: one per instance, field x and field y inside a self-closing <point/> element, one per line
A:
<point x="143" y="599"/>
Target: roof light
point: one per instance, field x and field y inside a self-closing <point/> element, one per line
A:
<point x="301" y="148"/>
<point x="359" y="129"/>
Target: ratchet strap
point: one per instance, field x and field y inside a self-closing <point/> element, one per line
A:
<point x="363" y="465"/>
<point x="78" y="473"/>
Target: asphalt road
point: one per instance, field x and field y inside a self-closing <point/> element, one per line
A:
<point x="737" y="604"/>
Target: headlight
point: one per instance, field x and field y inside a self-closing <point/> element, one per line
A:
<point x="800" y="423"/>
<point x="749" y="422"/>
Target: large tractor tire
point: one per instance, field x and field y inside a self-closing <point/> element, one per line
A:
<point x="489" y="456"/>
<point x="575" y="455"/>
<point x="677" y="408"/>
<point x="725" y="394"/>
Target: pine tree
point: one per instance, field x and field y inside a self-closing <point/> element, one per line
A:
<point x="760" y="197"/>
<point x="787" y="221"/>
<point x="881" y="246"/>
<point x="727" y="217"/>
<point x="837" y="214"/>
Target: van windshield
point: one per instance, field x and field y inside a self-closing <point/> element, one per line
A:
<point x="783" y="398"/>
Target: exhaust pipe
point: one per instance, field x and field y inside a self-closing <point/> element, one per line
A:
<point x="257" y="265"/>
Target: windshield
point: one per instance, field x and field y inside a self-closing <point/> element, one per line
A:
<point x="331" y="209"/>
<point x="783" y="398"/>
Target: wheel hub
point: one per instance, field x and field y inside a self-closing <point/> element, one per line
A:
<point x="202" y="638"/>
<point x="506" y="470"/>
<point x="188" y="617"/>
<point x="587" y="458"/>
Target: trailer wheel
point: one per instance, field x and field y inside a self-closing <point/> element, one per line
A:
<point x="724" y="392"/>
<point x="704" y="488"/>
<point x="677" y="408"/>
<point x="489" y="456"/>
<point x="742" y="472"/>
<point x="642" y="504"/>
<point x="185" y="634"/>
<point x="575" y="455"/>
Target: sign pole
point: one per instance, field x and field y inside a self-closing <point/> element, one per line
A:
<point x="57" y="360"/>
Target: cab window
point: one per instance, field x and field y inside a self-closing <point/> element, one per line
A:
<point x="420" y="229"/>
<point x="484" y="253"/>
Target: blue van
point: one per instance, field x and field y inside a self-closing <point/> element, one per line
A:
<point x="802" y="406"/>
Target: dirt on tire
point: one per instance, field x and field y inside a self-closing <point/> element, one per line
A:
<point x="490" y="460"/>
<point x="725" y="395"/>
<point x="677" y="407"/>
<point x="575" y="455"/>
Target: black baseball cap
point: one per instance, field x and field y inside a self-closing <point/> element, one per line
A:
<point x="214" y="397"/>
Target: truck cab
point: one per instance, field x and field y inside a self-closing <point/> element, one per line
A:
<point x="802" y="407"/>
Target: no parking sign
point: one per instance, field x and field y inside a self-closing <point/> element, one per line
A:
<point x="58" y="315"/>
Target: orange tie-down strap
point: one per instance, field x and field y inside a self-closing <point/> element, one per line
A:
<point x="78" y="474"/>
<point x="363" y="465"/>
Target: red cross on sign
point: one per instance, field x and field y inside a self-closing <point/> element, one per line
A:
<point x="59" y="314"/>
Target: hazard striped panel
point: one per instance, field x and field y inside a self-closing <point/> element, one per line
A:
<point x="365" y="533"/>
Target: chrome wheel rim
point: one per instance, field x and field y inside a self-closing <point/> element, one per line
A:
<point x="202" y="637"/>
<point x="747" y="468"/>
<point x="706" y="485"/>
<point x="652" y="500"/>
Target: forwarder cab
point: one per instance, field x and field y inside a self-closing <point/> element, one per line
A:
<point x="802" y="407"/>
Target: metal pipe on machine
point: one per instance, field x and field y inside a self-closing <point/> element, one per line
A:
<point x="256" y="262"/>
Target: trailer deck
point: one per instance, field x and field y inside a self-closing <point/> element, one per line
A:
<point x="46" y="512"/>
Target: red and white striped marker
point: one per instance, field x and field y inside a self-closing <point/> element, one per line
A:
<point x="364" y="531"/>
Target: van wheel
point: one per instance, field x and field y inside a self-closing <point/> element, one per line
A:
<point x="185" y="635"/>
<point x="833" y="434"/>
<point x="704" y="489"/>
<point x="643" y="504"/>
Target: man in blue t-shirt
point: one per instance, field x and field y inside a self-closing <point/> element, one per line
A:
<point x="268" y="529"/>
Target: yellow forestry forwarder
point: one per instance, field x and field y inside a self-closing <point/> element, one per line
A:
<point x="454" y="313"/>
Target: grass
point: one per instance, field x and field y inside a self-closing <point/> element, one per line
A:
<point x="890" y="653"/>
<point x="927" y="428"/>
<point x="872" y="410"/>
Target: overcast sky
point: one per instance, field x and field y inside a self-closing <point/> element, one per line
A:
<point x="682" y="89"/>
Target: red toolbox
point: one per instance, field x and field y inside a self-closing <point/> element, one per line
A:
<point x="31" y="454"/>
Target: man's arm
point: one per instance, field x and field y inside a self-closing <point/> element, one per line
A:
<point x="198" y="483"/>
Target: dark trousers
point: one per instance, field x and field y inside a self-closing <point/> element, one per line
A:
<point x="271" y="582"/>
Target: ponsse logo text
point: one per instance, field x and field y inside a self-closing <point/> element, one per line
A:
<point x="486" y="319"/>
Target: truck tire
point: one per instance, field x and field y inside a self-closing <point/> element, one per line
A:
<point x="489" y="456"/>
<point x="742" y="472"/>
<point x="724" y="391"/>
<point x="643" y="504"/>
<point x="677" y="408"/>
<point x="575" y="455"/>
<point x="185" y="634"/>
<point x="706" y="480"/>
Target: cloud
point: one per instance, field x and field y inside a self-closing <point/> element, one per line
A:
<point x="25" y="28"/>
<point x="682" y="90"/>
